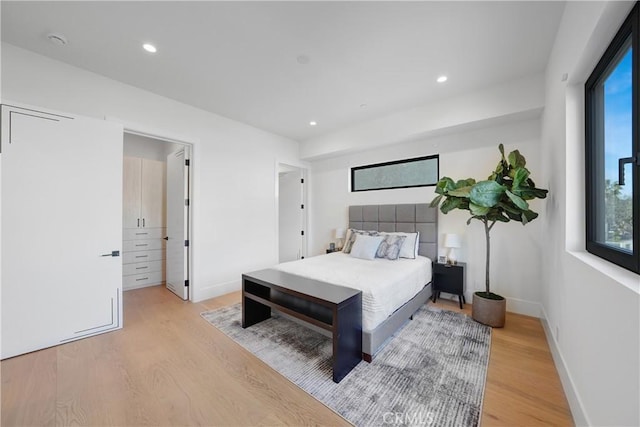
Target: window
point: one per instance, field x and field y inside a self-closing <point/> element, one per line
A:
<point x="418" y="172"/>
<point x="612" y="151"/>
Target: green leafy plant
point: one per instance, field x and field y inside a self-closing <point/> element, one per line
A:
<point x="500" y="198"/>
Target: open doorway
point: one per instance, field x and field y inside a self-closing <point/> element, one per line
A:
<point x="156" y="214"/>
<point x="292" y="213"/>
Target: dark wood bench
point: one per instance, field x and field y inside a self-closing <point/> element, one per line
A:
<point x="336" y="309"/>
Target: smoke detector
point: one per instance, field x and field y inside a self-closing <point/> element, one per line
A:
<point x="303" y="59"/>
<point x="57" y="39"/>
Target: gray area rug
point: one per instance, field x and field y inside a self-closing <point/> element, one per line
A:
<point x="432" y="372"/>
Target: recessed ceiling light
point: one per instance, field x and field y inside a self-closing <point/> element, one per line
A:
<point x="58" y="39"/>
<point x="442" y="79"/>
<point x="312" y="123"/>
<point x="149" y="48"/>
<point x="363" y="105"/>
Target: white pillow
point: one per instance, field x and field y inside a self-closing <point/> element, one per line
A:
<point x="365" y="247"/>
<point x="351" y="238"/>
<point x="417" y="244"/>
<point x="410" y="245"/>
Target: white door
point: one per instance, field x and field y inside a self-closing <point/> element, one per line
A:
<point x="61" y="229"/>
<point x="290" y="211"/>
<point x="178" y="223"/>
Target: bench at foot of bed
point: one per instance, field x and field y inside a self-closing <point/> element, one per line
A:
<point x="333" y="308"/>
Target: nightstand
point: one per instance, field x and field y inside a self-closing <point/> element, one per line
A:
<point x="450" y="279"/>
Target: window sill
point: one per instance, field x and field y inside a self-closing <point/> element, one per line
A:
<point x="625" y="277"/>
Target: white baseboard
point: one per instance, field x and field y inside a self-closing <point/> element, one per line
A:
<point x="527" y="308"/>
<point x="216" y="290"/>
<point x="514" y="305"/>
<point x="575" y="404"/>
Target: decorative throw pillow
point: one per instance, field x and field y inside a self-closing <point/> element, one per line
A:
<point x="409" y="248"/>
<point x="365" y="247"/>
<point x="347" y="237"/>
<point x="390" y="247"/>
<point x="352" y="233"/>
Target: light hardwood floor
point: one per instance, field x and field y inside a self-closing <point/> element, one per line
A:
<point x="523" y="387"/>
<point x="169" y="367"/>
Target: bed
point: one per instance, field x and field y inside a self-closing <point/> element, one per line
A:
<point x="392" y="291"/>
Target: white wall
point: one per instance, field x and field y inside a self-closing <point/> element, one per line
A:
<point x="516" y="267"/>
<point x="591" y="308"/>
<point x="234" y="167"/>
<point x="147" y="148"/>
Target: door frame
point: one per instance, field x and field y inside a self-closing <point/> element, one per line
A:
<point x="305" y="200"/>
<point x="191" y="144"/>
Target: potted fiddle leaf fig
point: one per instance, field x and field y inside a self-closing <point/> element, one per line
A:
<point x="500" y="198"/>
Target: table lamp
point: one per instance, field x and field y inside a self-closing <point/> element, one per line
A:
<point x="338" y="234"/>
<point x="452" y="241"/>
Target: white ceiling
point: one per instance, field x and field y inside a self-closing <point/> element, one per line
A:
<point x="240" y="59"/>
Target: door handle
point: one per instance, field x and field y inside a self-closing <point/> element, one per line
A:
<point x="113" y="253"/>
<point x="142" y="222"/>
<point x="166" y="238"/>
<point x="138" y="222"/>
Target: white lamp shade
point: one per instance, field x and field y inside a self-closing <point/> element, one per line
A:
<point x="452" y="241"/>
<point x="338" y="233"/>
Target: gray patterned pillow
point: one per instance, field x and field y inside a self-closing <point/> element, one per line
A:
<point x="352" y="233"/>
<point x="390" y="246"/>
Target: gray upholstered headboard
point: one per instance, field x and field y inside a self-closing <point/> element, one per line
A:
<point x="407" y="218"/>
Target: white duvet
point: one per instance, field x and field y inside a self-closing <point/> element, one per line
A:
<point x="386" y="285"/>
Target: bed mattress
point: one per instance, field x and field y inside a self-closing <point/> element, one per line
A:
<point x="386" y="285"/>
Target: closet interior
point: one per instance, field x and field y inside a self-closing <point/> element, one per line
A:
<point x="145" y="211"/>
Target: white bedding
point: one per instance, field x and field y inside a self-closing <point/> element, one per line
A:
<point x="386" y="285"/>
